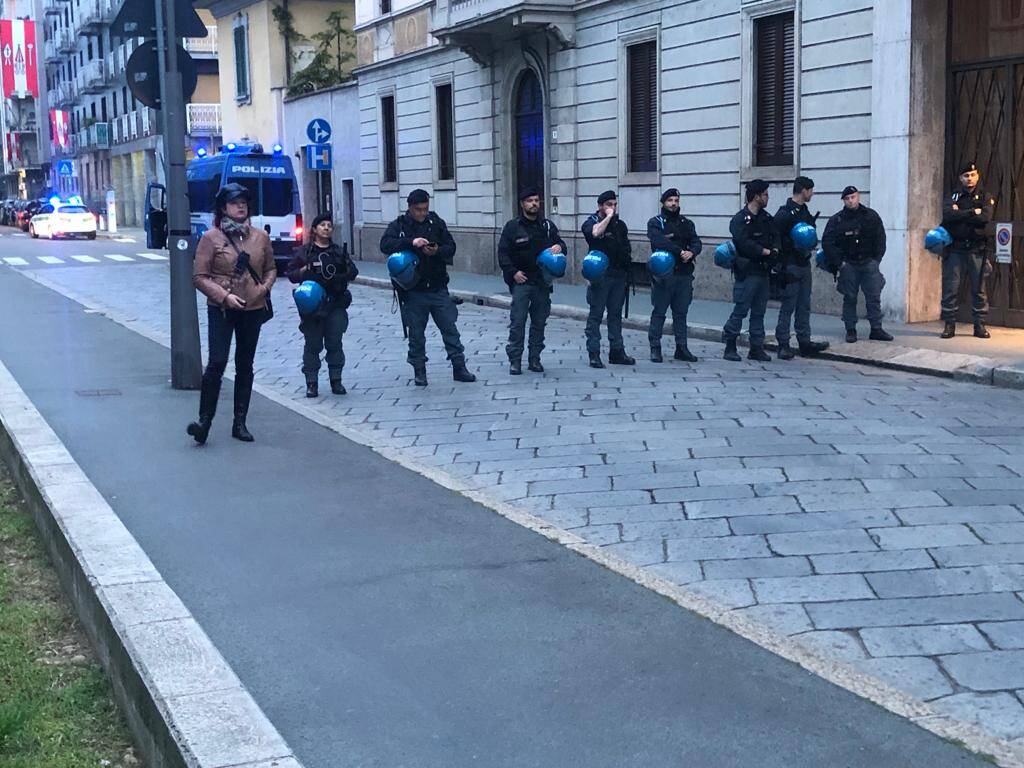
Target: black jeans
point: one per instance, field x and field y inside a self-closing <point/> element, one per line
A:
<point x="420" y="306"/>
<point x="324" y="332"/>
<point x="533" y="301"/>
<point x="975" y="264"/>
<point x="245" y="327"/>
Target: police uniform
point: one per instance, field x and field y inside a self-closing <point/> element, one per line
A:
<point x="673" y="233"/>
<point x="854" y="244"/>
<point x="429" y="296"/>
<point x="752" y="234"/>
<point x="609" y="293"/>
<point x="968" y="253"/>
<point x="796" y="279"/>
<point x="522" y="240"/>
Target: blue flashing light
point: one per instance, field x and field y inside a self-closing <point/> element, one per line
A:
<point x="201" y="152"/>
<point x="55" y="200"/>
<point x="278" y="149"/>
<point x="76" y="200"/>
<point x="231" y="146"/>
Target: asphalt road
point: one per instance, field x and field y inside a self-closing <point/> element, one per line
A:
<point x="381" y="620"/>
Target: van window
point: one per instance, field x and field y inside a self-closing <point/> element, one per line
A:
<point x="202" y="193"/>
<point x="277" y="197"/>
<point x="252" y="184"/>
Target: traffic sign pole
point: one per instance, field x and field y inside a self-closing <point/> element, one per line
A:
<point x="186" y="357"/>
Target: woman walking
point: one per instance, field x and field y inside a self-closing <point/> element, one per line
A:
<point x="234" y="269"/>
<point x="325" y="263"/>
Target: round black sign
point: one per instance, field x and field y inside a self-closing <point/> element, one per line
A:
<point x="143" y="74"/>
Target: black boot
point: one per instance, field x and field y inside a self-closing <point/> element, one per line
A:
<point x="880" y="334"/>
<point x="851" y="335"/>
<point x="595" y="360"/>
<point x="619" y="357"/>
<point x="515" y="367"/>
<point x="208" y="397"/>
<point x="461" y="373"/>
<point x="419" y="375"/>
<point x="337" y="388"/>
<point x="981" y="331"/>
<point x="239" y="430"/>
<point x="949" y="331"/>
<point x="730" y="351"/>
<point x="811" y="348"/>
<point x="683" y="353"/>
<point x="759" y="355"/>
<point x="656" y="354"/>
<point x="786" y="352"/>
<point x="534" y="365"/>
<point x="312" y="389"/>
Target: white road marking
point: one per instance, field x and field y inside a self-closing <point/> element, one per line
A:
<point x="51" y="260"/>
<point x="124" y="239"/>
<point x="16" y="261"/>
<point x="85" y="259"/>
<point x="117" y="257"/>
<point x="152" y="256"/>
<point x="19" y="234"/>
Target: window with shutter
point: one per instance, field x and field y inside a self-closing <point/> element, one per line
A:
<point x="774" y="87"/>
<point x="385" y="7"/>
<point x="241" y="62"/>
<point x="642" y="79"/>
<point x="445" y="133"/>
<point x="390" y="149"/>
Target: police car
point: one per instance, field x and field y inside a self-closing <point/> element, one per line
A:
<point x="63" y="218"/>
<point x="270" y="179"/>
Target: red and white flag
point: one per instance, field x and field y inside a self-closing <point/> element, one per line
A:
<point x="18" y="57"/>
<point x="59" y="128"/>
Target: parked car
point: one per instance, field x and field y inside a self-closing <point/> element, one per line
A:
<point x="7" y="212"/>
<point x="26" y="211"/>
<point x="63" y="219"/>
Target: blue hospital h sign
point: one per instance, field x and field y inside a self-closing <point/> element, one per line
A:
<point x="318" y="157"/>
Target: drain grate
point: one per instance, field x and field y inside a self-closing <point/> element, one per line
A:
<point x="98" y="392"/>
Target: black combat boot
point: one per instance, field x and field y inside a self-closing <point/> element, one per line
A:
<point x="656" y="354"/>
<point x="786" y="352"/>
<point x="208" y="396"/>
<point x="419" y="375"/>
<point x="337" y="388"/>
<point x="515" y="367"/>
<point x="851" y="335"/>
<point x="730" y="351"/>
<point x="811" y="348"/>
<point x="461" y="373"/>
<point x="534" y="365"/>
<point x="312" y="389"/>
<point x="239" y="430"/>
<point x="759" y="355"/>
<point x="684" y="354"/>
<point x="880" y="334"/>
<point x="595" y="360"/>
<point x="949" y="331"/>
<point x="619" y="357"/>
<point x="981" y="332"/>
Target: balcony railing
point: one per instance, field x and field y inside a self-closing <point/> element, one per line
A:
<point x="52" y="54"/>
<point x="136" y="124"/>
<point x="67" y="94"/>
<point x="93" y="76"/>
<point x="67" y="42"/>
<point x="203" y="119"/>
<point x="99" y="135"/>
<point x="52" y="7"/>
<point x="203" y="46"/>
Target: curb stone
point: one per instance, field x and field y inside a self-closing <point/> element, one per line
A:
<point x="845" y="675"/>
<point x="955" y="365"/>
<point x="184" y="704"/>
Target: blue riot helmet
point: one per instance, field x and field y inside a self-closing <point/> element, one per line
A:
<point x="308" y="297"/>
<point x="804" y="236"/>
<point x="595" y="264"/>
<point x="552" y="265"/>
<point x="937" y="240"/>
<point x="402" y="268"/>
<point x="661" y="264"/>
<point x="820" y="260"/>
<point x="725" y="255"/>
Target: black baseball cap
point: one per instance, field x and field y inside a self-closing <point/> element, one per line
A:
<point x="849" y="190"/>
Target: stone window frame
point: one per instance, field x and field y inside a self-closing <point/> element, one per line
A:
<point x="386" y="186"/>
<point x="448" y="78"/>
<point x="625" y="40"/>
<point x="750" y="12"/>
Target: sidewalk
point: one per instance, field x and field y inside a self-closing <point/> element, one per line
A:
<point x="917" y="347"/>
<point x="124" y="234"/>
<point x="381" y="619"/>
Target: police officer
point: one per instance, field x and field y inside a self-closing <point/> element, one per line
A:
<point x="854" y="243"/>
<point x="965" y="213"/>
<point x="423" y="232"/>
<point x="672" y="232"/>
<point x="796" y="274"/>
<point x="604" y="231"/>
<point x="522" y="240"/>
<point x="757" y="251"/>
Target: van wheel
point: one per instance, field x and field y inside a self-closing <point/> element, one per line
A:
<point x="91" y="236"/>
<point x="32" y="231"/>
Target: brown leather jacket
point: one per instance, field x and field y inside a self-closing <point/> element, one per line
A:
<point x="214" y="271"/>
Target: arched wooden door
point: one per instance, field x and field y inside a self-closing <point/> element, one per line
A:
<point x="529" y="133"/>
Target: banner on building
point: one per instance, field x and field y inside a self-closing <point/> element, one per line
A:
<point x="12" y="150"/>
<point x="18" y="58"/>
<point x="59" y="128"/>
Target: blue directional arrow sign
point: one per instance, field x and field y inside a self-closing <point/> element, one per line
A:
<point x="318" y="131"/>
<point x="318" y="157"/>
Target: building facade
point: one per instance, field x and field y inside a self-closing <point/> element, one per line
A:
<point x="473" y="99"/>
<point x="102" y="138"/>
<point x="26" y="155"/>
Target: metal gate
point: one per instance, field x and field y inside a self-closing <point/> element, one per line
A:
<point x="987" y="125"/>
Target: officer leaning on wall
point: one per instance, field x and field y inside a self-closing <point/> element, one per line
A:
<point x="604" y="231"/>
<point x="425" y="234"/>
<point x="522" y="240"/>
<point x="673" y="233"/>
<point x="965" y="214"/>
<point x="854" y="244"/>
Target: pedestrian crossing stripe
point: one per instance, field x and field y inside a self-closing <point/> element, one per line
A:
<point x="51" y="260"/>
<point x="16" y="261"/>
<point x="117" y="257"/>
<point x="152" y="256"/>
<point x="85" y="259"/>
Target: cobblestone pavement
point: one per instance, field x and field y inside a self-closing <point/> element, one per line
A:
<point x="877" y="516"/>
